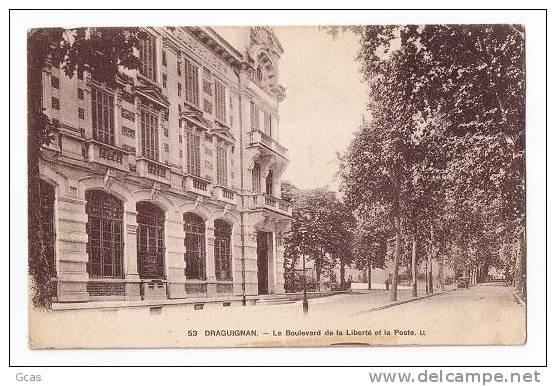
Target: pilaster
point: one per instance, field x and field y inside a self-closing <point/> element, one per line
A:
<point x="279" y="264"/>
<point x="175" y="255"/>
<point x="72" y="250"/>
<point x="132" y="291"/>
<point x="210" y="264"/>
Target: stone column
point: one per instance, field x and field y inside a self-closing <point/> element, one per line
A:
<point x="175" y="255"/>
<point x="237" y="260"/>
<point x="279" y="264"/>
<point x="209" y="263"/>
<point x="72" y="250"/>
<point x="251" y="269"/>
<point x="282" y="226"/>
<point x="132" y="281"/>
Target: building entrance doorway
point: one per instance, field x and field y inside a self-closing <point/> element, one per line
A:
<point x="264" y="253"/>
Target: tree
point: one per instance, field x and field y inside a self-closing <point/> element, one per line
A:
<point x="102" y="52"/>
<point x="447" y="105"/>
<point x="370" y="242"/>
<point x="339" y="226"/>
<point x="329" y="232"/>
<point x="375" y="171"/>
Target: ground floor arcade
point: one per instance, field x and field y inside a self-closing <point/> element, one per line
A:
<point x="110" y="237"/>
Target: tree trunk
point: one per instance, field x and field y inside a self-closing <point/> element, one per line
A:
<point x="342" y="275"/>
<point x="441" y="272"/>
<point x="427" y="288"/>
<point x="430" y="278"/>
<point x="431" y="256"/>
<point x="394" y="291"/>
<point x="369" y="272"/>
<point x="414" y="265"/>
<point x="317" y="272"/>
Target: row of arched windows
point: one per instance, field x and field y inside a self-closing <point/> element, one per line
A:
<point x="105" y="245"/>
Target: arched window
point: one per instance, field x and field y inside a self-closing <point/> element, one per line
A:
<point x="46" y="197"/>
<point x="104" y="228"/>
<point x="256" y="177"/>
<point x="222" y="252"/>
<point x="150" y="241"/>
<point x="265" y="69"/>
<point x="194" y="228"/>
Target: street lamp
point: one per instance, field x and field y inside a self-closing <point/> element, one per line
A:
<point x="303" y="231"/>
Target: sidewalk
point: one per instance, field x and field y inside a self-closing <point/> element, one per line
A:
<point x="363" y="301"/>
<point x="229" y="300"/>
<point x="406" y="296"/>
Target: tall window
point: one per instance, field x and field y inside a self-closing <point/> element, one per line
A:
<point x="103" y="115"/>
<point x="222" y="166"/>
<point x="268" y="124"/>
<point x="104" y="229"/>
<point x="269" y="182"/>
<point x="148" y="57"/>
<point x="193" y="148"/>
<point x="150" y="241"/>
<point x="149" y="135"/>
<point x="256" y="177"/>
<point x="254" y="116"/>
<point x="220" y="101"/>
<point x="46" y="197"/>
<point x="194" y="228"/>
<point x="191" y="83"/>
<point x="222" y="252"/>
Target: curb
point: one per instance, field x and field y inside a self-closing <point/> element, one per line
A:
<point x="389" y="305"/>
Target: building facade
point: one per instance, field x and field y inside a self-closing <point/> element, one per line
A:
<point x="166" y="183"/>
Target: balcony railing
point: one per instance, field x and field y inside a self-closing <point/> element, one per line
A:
<point x="222" y="193"/>
<point x="266" y="201"/>
<point x="108" y="155"/>
<point x="197" y="185"/>
<point x="153" y="170"/>
<point x="257" y="137"/>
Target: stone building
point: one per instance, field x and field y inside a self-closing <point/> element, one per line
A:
<point x="166" y="183"/>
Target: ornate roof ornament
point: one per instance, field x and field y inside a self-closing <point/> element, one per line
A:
<point x="265" y="36"/>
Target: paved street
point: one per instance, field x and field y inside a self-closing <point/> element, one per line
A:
<point x="484" y="314"/>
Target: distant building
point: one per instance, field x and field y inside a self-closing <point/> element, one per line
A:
<point x="166" y="183"/>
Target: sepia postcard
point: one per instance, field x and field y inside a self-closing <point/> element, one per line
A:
<point x="277" y="186"/>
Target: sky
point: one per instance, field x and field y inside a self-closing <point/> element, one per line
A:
<point x="325" y="101"/>
<point x="324" y="105"/>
